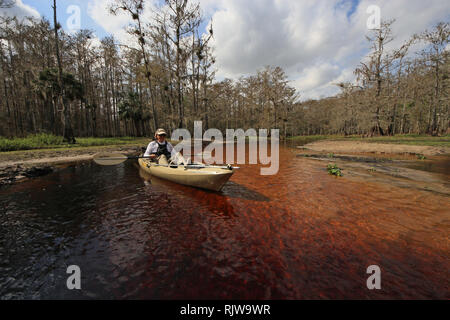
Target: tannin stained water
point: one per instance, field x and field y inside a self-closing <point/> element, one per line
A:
<point x="298" y="234"/>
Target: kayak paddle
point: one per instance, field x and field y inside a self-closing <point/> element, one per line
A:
<point x="111" y="159"/>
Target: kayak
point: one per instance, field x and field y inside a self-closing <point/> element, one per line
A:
<point x="195" y="175"/>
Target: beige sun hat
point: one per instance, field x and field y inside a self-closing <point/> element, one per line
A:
<point x="160" y="131"/>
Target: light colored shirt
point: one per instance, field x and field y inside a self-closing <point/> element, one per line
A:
<point x="152" y="148"/>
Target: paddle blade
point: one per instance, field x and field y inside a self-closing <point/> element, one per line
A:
<point x="109" y="159"/>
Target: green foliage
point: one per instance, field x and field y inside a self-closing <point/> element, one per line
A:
<point x="131" y="107"/>
<point x="90" y="141"/>
<point x="334" y="170"/>
<point x="44" y="141"/>
<point x="37" y="141"/>
<point x="48" y="84"/>
<point x="330" y="155"/>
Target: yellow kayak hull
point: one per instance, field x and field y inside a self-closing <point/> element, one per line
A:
<point x="205" y="178"/>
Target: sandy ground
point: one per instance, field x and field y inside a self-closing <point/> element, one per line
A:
<point x="366" y="147"/>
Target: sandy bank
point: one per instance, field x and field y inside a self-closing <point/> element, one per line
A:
<point x="20" y="165"/>
<point x="366" y="147"/>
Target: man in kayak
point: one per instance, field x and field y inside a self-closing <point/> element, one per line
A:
<point x="159" y="150"/>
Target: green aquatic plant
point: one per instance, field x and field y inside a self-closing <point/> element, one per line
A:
<point x="330" y="155"/>
<point x="334" y="170"/>
<point x="420" y="156"/>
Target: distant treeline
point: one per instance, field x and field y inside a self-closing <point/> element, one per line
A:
<point x="397" y="92"/>
<point x="59" y="83"/>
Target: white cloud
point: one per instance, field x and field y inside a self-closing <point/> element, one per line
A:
<point x="314" y="41"/>
<point x="98" y="10"/>
<point x="20" y="10"/>
<point x="95" y="42"/>
<point x="116" y="25"/>
<point x="317" y="76"/>
<point x="317" y="43"/>
<point x="209" y="7"/>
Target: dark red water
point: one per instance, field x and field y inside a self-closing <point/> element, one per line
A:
<point x="299" y="234"/>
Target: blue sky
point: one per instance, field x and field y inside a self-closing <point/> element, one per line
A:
<point x="44" y="7"/>
<point x="353" y="6"/>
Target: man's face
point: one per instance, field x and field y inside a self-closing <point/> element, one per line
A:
<point x="161" y="137"/>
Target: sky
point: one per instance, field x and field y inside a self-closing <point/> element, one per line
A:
<point x="317" y="42"/>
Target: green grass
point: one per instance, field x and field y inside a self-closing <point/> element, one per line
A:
<point x="302" y="140"/>
<point x="88" y="142"/>
<point x="47" y="141"/>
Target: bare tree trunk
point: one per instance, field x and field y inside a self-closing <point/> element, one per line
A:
<point x="434" y="123"/>
<point x="5" y="86"/>
<point x="67" y="124"/>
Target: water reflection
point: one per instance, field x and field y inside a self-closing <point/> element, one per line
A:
<point x="440" y="166"/>
<point x="298" y="234"/>
<point x="215" y="202"/>
<point x="231" y="190"/>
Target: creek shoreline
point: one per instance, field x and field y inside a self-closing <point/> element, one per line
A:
<point x="17" y="166"/>
<point x="375" y="148"/>
<point x="384" y="163"/>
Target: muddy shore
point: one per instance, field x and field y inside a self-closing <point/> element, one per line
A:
<point x="423" y="168"/>
<point x="21" y="165"/>
<point x="379" y="148"/>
